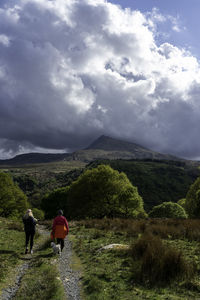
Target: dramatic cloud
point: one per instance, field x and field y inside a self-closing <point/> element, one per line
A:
<point x="73" y="70"/>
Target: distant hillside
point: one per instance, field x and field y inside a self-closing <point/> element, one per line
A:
<point x="103" y="148"/>
<point x="33" y="158"/>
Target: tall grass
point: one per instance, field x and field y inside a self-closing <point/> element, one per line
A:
<point x="157" y="264"/>
<point x="164" y="228"/>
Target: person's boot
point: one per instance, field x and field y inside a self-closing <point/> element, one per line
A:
<point x="26" y="251"/>
<point x="31" y="251"/>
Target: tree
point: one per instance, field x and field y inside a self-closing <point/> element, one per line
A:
<point x="13" y="202"/>
<point x="192" y="203"/>
<point x="168" y="210"/>
<point x="103" y="191"/>
<point x="54" y="201"/>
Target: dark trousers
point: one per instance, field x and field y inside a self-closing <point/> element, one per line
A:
<point x="61" y="242"/>
<point x="29" y="236"/>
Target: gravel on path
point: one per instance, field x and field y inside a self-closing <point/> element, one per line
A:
<point x="69" y="277"/>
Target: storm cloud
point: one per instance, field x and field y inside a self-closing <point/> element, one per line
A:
<point x="73" y="70"/>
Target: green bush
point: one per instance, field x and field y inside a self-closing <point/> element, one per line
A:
<point x="192" y="203"/>
<point x="168" y="210"/>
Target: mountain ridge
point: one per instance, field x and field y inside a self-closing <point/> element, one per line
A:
<point x="104" y="147"/>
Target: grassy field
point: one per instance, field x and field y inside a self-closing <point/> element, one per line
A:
<point x="157" y="259"/>
<point x="154" y="259"/>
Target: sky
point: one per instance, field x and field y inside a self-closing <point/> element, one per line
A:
<point x="72" y="70"/>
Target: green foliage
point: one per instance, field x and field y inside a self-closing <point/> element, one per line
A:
<point x="192" y="203"/>
<point x="99" y="192"/>
<point x="157" y="181"/>
<point x="181" y="202"/>
<point x="103" y="191"/>
<point x="38" y="213"/>
<point x="168" y="210"/>
<point x="13" y="201"/>
<point x="54" y="201"/>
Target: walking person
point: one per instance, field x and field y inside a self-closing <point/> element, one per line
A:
<point x="29" y="228"/>
<point x="60" y="229"/>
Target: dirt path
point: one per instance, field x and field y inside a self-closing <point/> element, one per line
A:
<point x="69" y="277"/>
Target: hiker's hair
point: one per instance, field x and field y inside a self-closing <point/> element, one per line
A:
<point x="28" y="213"/>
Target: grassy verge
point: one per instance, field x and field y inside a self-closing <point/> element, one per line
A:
<point x="12" y="241"/>
<point x="121" y="273"/>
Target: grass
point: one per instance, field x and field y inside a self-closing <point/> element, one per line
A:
<point x="12" y="244"/>
<point x="155" y="263"/>
<point x="41" y="281"/>
<point x="127" y="274"/>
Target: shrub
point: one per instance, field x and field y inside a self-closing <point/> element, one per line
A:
<point x="168" y="210"/>
<point x="157" y="264"/>
<point x="192" y="203"/>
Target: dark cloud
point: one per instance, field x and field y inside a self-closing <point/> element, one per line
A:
<point x="72" y="70"/>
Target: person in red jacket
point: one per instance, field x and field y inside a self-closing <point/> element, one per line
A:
<point x="60" y="229"/>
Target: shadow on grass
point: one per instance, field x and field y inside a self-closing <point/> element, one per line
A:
<point x="8" y="252"/>
<point x="45" y="255"/>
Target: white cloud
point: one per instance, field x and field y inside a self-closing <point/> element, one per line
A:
<point x="72" y="70"/>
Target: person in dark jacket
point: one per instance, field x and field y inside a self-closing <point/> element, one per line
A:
<point x="60" y="229"/>
<point x="29" y="228"/>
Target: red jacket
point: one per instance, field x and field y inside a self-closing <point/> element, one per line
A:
<point x="60" y="227"/>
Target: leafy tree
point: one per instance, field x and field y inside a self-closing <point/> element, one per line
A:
<point x="54" y="201"/>
<point x="103" y="191"/>
<point x="192" y="203"/>
<point x="168" y="210"/>
<point x="13" y="201"/>
<point x="181" y="202"/>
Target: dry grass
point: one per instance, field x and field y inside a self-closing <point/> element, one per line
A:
<point x="164" y="228"/>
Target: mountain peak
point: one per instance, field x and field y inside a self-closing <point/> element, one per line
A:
<point x="111" y="144"/>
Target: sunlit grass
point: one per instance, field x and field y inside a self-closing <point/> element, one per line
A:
<point x="121" y="274"/>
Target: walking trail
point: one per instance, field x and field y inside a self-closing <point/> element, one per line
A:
<point x="70" y="277"/>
